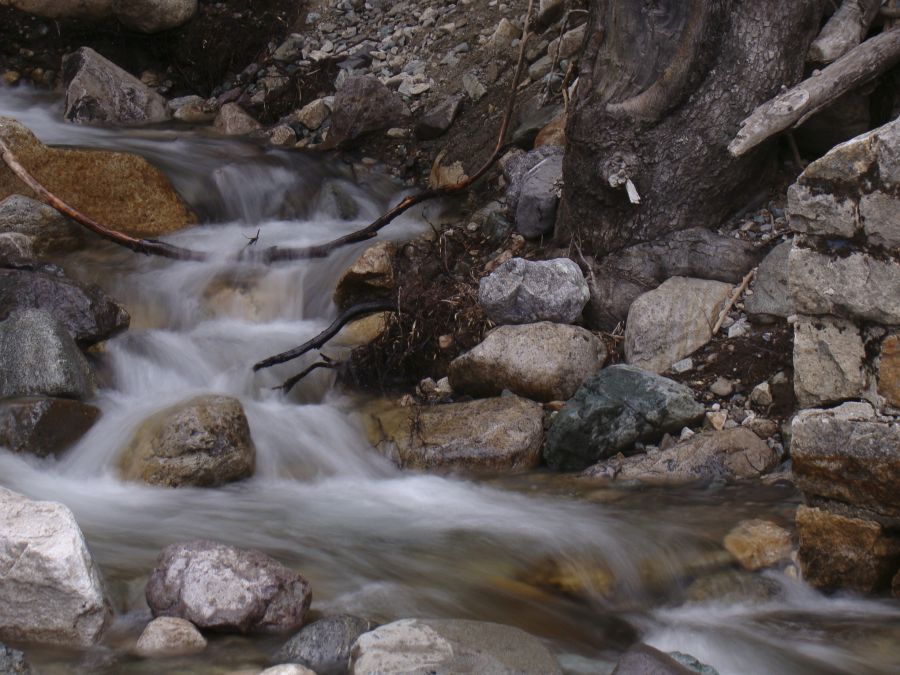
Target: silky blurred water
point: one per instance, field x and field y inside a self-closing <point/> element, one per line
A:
<point x="373" y="540"/>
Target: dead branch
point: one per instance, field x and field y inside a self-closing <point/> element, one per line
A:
<point x="326" y="362"/>
<point x="740" y="288"/>
<point x="793" y="107"/>
<point x="362" y="309"/>
<point x="147" y="246"/>
<point x="846" y="28"/>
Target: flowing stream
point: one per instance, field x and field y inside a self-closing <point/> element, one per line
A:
<point x="373" y="540"/>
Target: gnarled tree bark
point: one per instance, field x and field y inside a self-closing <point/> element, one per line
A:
<point x="663" y="86"/>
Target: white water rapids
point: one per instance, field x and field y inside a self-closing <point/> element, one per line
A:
<point x="373" y="540"/>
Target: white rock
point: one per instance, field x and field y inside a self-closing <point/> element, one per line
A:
<point x="828" y="361"/>
<point x="170" y="636"/>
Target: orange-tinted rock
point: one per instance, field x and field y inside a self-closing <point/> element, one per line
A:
<point x="889" y="370"/>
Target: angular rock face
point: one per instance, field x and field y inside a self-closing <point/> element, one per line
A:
<point x="541" y="361"/>
<point x="99" y="183"/>
<point x="539" y="197"/>
<point x="39" y="358"/>
<point x="51" y="591"/>
<point x="771" y="297"/>
<point x="732" y="454"/>
<point x="363" y="105"/>
<point x="524" y="291"/>
<point x="828" y="361"/>
<point x="370" y="276"/>
<point x="517" y="166"/>
<point x="889" y="370"/>
<point x="436" y="121"/>
<point x="613" y="410"/>
<point x="50" y="231"/>
<point x="233" y="121"/>
<point x="324" y="645"/>
<point x="202" y="442"/>
<point x="99" y="92"/>
<point x="494" y="435"/>
<point x="153" y="16"/>
<point x="672" y="321"/>
<point x="757" y="544"/>
<point x="44" y="426"/>
<point x="86" y="312"/>
<point x="169" y="636"/>
<point x="223" y="588"/>
<point x="838" y="551"/>
<point x="450" y="646"/>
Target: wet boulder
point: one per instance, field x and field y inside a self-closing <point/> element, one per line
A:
<point x="50" y="231"/>
<point x="153" y="16"/>
<point x="643" y="659"/>
<point x="223" y="588"/>
<point x="672" y="321"/>
<point x="324" y="645"/>
<point x="120" y="190"/>
<point x="493" y="435"/>
<point x="541" y="361"/>
<point x="361" y="106"/>
<point x="202" y="442"/>
<point x="450" y="646"/>
<point x="370" y="276"/>
<point x="730" y="454"/>
<point x="86" y="312"/>
<point x="613" y="410"/>
<point x="539" y="197"/>
<point x="525" y="291"/>
<point x="99" y="92"/>
<point x="40" y="358"/>
<point x="44" y="426"/>
<point x="51" y="591"/>
<point x="169" y="636"/>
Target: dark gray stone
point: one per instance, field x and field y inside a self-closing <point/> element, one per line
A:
<point x="613" y="410"/>
<point x="87" y="313"/>
<point x="517" y="167"/>
<point x="324" y="645"/>
<point x="44" y="426"/>
<point x="771" y="297"/>
<point x="539" y="197"/>
<point x="12" y="662"/>
<point x="363" y="105"/>
<point x="645" y="660"/>
<point x="49" y="230"/>
<point x="39" y="358"/>
<point x="437" y="120"/>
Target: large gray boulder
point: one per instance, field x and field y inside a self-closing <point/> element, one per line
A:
<point x="526" y="291"/>
<point x="204" y="442"/>
<point x="517" y="165"/>
<point x="771" y="297"/>
<point x="44" y="426"/>
<point x="51" y="590"/>
<point x="449" y="646"/>
<point x="613" y="410"/>
<point x="363" y="105"/>
<point x="153" y="16"/>
<point x="324" y="645"/>
<point x="488" y="436"/>
<point x="541" y="361"/>
<point x="86" y="312"/>
<point x="223" y="588"/>
<point x="50" y="231"/>
<point x="539" y="197"/>
<point x="731" y="454"/>
<point x="39" y="358"/>
<point x="672" y="321"/>
<point x="99" y="92"/>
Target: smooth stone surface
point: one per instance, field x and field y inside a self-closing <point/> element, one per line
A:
<point x="672" y="321"/>
<point x="525" y="291"/>
<point x="324" y="645"/>
<point x="50" y="231"/>
<point x="449" y="647"/>
<point x="204" y="442"/>
<point x="757" y="544"/>
<point x="613" y="410"/>
<point x="541" y="361"/>
<point x="51" y="591"/>
<point x="99" y="92"/>
<point x="848" y="455"/>
<point x="98" y="182"/>
<point x="493" y="435"/>
<point x="223" y="588"/>
<point x="828" y="361"/>
<point x="169" y="636"/>
<point x="153" y="16"/>
<point x="771" y="297"/>
<point x="39" y="358"/>
<point x="539" y="197"/>
<point x="730" y="454"/>
<point x="44" y="426"/>
<point x="361" y="106"/>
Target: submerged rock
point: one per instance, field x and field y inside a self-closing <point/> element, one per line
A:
<point x="44" y="426"/>
<point x="613" y="410"/>
<point x="525" y="291"/>
<point x="445" y="646"/>
<point x="643" y="659"/>
<point x="120" y="190"/>
<point x="51" y="591"/>
<point x="495" y="435"/>
<point x="223" y="588"/>
<point x="324" y="645"/>
<point x="39" y="358"/>
<point x="203" y="442"/>
<point x="541" y="361"/>
<point x="99" y="92"/>
<point x="169" y="636"/>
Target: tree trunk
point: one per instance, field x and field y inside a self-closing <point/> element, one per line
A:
<point x="663" y="87"/>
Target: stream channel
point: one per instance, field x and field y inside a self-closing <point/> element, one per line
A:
<point x="371" y="539"/>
